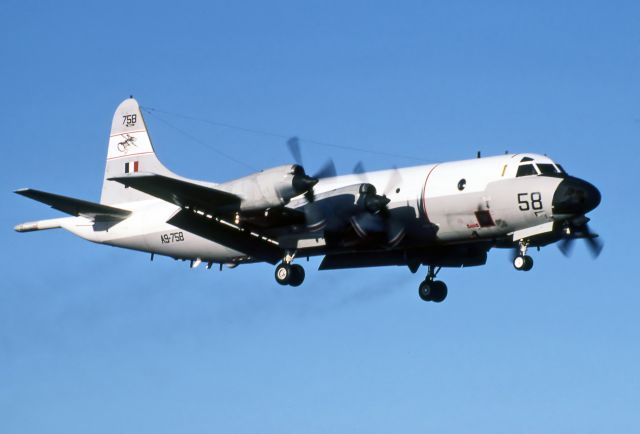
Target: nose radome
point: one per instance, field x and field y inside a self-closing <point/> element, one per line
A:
<point x="575" y="196"/>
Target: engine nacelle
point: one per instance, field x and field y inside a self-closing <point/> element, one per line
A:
<point x="270" y="188"/>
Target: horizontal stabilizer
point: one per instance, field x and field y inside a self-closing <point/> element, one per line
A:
<point x="226" y="235"/>
<point x="181" y="193"/>
<point x="76" y="207"/>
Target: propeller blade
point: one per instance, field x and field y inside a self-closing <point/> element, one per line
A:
<point x="326" y="171"/>
<point x="395" y="232"/>
<point x="294" y="147"/>
<point x="310" y="196"/>
<point x="358" y="169"/>
<point x="595" y="246"/>
<point x="582" y="231"/>
<point x="367" y="224"/>
<point x="314" y="216"/>
<point x="566" y="246"/>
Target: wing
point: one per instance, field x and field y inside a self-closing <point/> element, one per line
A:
<point x="187" y="194"/>
<point x="250" y="243"/>
<point x="217" y="214"/>
<point x="214" y="207"/>
<point x="181" y="193"/>
<point x="76" y="207"/>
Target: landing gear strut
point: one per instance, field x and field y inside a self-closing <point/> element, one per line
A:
<point x="288" y="273"/>
<point x="523" y="262"/>
<point x="432" y="290"/>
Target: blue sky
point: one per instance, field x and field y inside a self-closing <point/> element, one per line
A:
<point x="95" y="339"/>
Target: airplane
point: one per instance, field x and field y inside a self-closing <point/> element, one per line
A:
<point x="439" y="215"/>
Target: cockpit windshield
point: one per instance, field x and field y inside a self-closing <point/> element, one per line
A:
<point x="547" y="169"/>
<point x="528" y="167"/>
<point x="526" y="170"/>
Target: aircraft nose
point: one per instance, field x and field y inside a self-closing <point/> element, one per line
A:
<point x="575" y="196"/>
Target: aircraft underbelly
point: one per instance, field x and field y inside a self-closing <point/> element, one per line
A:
<point x="148" y="230"/>
<point x="177" y="244"/>
<point x="182" y="244"/>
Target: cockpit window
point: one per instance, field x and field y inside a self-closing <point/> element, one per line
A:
<point x="526" y="170"/>
<point x="561" y="169"/>
<point x="526" y="159"/>
<point x="547" y="169"/>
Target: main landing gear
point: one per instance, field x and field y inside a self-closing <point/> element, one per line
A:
<point x="522" y="261"/>
<point x="288" y="273"/>
<point x="432" y="290"/>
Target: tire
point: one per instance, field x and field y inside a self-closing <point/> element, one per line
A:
<point x="297" y="275"/>
<point x="283" y="274"/>
<point x="528" y="263"/>
<point x="425" y="291"/>
<point x="438" y="291"/>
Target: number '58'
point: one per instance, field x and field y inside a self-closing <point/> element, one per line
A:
<point x="528" y="201"/>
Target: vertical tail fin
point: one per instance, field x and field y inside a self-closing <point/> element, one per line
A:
<point x="130" y="150"/>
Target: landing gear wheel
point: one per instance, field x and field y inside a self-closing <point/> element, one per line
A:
<point x="297" y="275"/>
<point x="283" y="274"/>
<point x="523" y="263"/>
<point x="425" y="290"/>
<point x="438" y="291"/>
<point x="433" y="290"/>
<point x="289" y="274"/>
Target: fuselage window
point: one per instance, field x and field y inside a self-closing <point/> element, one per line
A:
<point x="526" y="170"/>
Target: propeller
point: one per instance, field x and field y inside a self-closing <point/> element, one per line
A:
<point x="313" y="214"/>
<point x="578" y="228"/>
<point x="377" y="220"/>
<point x="294" y="148"/>
<point x="394" y="180"/>
<point x="327" y="170"/>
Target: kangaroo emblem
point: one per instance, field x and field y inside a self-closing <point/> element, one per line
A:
<point x="127" y="143"/>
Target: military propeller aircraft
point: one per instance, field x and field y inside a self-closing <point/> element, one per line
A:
<point x="439" y="215"/>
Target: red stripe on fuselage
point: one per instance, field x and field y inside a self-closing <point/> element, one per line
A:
<point x="424" y="193"/>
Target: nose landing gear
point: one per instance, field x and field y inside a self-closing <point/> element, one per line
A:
<point x="432" y="290"/>
<point x="288" y="273"/>
<point x="523" y="262"/>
